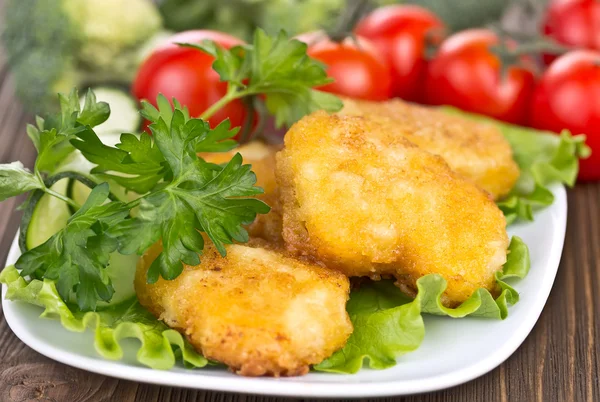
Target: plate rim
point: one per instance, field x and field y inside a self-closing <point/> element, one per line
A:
<point x="283" y="387"/>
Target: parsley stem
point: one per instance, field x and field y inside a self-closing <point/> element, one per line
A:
<point x="62" y="197"/>
<point x="134" y="203"/>
<point x="218" y="105"/>
<point x="221" y="103"/>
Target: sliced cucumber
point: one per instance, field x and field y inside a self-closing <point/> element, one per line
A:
<point x="121" y="271"/>
<point x="78" y="191"/>
<point x="49" y="216"/>
<point x="124" y="115"/>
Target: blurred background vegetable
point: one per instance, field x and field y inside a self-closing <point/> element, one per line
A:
<point x="417" y="50"/>
<point x="54" y="45"/>
<point x="466" y="73"/>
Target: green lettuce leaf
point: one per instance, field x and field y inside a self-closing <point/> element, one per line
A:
<point x="388" y="324"/>
<point x="481" y="303"/>
<point x="160" y="346"/>
<point x="543" y="158"/>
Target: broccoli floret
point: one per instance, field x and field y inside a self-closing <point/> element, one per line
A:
<point x="112" y="32"/>
<point x="297" y="16"/>
<point x="54" y="45"/>
<point x="39" y="37"/>
<point x="237" y="17"/>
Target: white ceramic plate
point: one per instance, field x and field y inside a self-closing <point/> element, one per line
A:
<point x="453" y="352"/>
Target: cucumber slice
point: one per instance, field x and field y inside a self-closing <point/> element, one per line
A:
<point x="79" y="192"/>
<point x="124" y="115"/>
<point x="49" y="216"/>
<point x="121" y="271"/>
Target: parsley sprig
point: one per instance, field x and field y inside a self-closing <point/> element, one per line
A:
<point x="181" y="196"/>
<point x="51" y="139"/>
<point x="76" y="256"/>
<point x="276" y="68"/>
<point x="186" y="195"/>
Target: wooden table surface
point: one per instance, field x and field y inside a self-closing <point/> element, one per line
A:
<point x="559" y="361"/>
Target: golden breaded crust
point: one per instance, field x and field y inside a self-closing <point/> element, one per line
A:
<point x="256" y="310"/>
<point x="262" y="158"/>
<point x="367" y="202"/>
<point x="476" y="151"/>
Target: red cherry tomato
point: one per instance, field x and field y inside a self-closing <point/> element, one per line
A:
<point x="358" y="70"/>
<point x="574" y="23"/>
<point x="568" y="97"/>
<point x="401" y="34"/>
<point x="186" y="74"/>
<point x="466" y="74"/>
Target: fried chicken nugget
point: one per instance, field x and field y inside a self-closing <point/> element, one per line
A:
<point x="256" y="310"/>
<point x="262" y="158"/>
<point x="474" y="150"/>
<point x="367" y="202"/>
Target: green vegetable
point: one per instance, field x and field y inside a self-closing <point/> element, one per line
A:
<point x="51" y="136"/>
<point x="481" y="303"/>
<point x="124" y="117"/>
<point x="184" y="196"/>
<point x="159" y="346"/>
<point x="15" y="180"/>
<point x="49" y="215"/>
<point x="543" y="158"/>
<point x="76" y="256"/>
<point x="388" y="324"/>
<point x="237" y="17"/>
<point x="200" y="196"/>
<point x="276" y="68"/>
<point x="55" y="45"/>
<point x="299" y="16"/>
<point x="111" y="33"/>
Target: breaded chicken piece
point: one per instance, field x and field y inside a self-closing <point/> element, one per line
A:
<point x="367" y="202"/>
<point x="262" y="158"/>
<point x="256" y="310"/>
<point x="476" y="151"/>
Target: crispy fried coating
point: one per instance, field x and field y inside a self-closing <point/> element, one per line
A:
<point x="476" y="151"/>
<point x="262" y="158"/>
<point x="256" y="310"/>
<point x="367" y="202"/>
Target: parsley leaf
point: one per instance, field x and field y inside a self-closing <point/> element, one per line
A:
<point x="51" y="135"/>
<point x="16" y="180"/>
<point x="276" y="67"/>
<point x="76" y="256"/>
<point x="202" y="197"/>
<point x="219" y="139"/>
<point x="137" y="164"/>
<point x="187" y="195"/>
